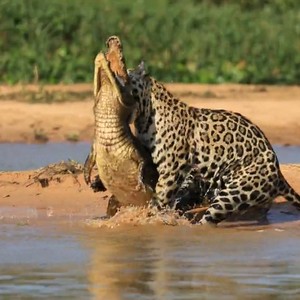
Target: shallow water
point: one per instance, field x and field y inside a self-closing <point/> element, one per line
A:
<point x="44" y="257"/>
<point x="66" y="259"/>
<point x="32" y="156"/>
<point x="15" y="157"/>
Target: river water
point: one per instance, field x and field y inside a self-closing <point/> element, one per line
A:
<point x="31" y="156"/>
<point x="69" y="261"/>
<point x="63" y="258"/>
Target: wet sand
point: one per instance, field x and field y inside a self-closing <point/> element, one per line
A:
<point x="275" y="109"/>
<point x="23" y="198"/>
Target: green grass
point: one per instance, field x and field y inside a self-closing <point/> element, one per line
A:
<point x="246" y="41"/>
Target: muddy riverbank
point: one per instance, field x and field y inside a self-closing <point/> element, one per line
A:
<point x="64" y="194"/>
<point x="34" y="114"/>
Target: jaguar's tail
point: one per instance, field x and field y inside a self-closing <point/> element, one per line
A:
<point x="290" y="194"/>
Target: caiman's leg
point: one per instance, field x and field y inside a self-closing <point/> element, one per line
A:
<point x="90" y="162"/>
<point x="97" y="185"/>
<point x="112" y="206"/>
<point x="88" y="165"/>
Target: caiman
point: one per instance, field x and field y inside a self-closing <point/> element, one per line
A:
<point x="124" y="167"/>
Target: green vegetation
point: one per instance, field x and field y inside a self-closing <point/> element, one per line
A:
<point x="247" y="41"/>
<point x="72" y="137"/>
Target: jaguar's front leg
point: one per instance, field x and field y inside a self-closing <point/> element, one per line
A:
<point x="191" y="190"/>
<point x="165" y="190"/>
<point x="148" y="175"/>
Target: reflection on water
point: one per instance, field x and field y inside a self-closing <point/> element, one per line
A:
<point x="148" y="262"/>
<point x="32" y="156"/>
<point x="182" y="263"/>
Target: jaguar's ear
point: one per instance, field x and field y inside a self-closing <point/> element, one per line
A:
<point x="142" y="68"/>
<point x="139" y="71"/>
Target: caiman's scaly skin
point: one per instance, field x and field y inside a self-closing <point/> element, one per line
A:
<point x="124" y="168"/>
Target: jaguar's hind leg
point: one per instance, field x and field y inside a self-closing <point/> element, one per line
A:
<point x="244" y="189"/>
<point x="222" y="209"/>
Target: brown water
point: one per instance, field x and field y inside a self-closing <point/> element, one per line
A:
<point x="44" y="257"/>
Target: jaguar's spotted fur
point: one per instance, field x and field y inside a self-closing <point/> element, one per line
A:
<point x="229" y="151"/>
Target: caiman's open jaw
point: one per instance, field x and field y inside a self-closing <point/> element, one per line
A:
<point x="121" y="88"/>
<point x="117" y="66"/>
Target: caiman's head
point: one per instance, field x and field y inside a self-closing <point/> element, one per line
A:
<point x="116" y="59"/>
<point x="117" y="65"/>
<point x="110" y="90"/>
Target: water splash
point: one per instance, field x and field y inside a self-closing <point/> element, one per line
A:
<point x="140" y="216"/>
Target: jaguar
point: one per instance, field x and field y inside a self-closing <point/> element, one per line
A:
<point x="225" y="148"/>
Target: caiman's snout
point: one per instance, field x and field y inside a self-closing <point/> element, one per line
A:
<point x="117" y="65"/>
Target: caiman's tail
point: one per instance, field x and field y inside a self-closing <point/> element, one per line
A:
<point x="290" y="194"/>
